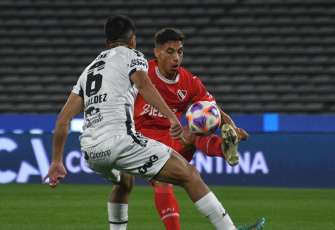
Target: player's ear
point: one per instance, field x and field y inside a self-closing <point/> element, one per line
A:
<point x="133" y="42"/>
<point x="156" y="52"/>
<point x="106" y="42"/>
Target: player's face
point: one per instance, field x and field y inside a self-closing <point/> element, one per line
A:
<point x="169" y="58"/>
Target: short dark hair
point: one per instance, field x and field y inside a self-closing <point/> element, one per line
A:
<point x="168" y="34"/>
<point x="119" y="28"/>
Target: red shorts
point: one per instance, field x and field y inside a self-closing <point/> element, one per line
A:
<point x="176" y="145"/>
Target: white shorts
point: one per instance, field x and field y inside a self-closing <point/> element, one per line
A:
<point x="135" y="155"/>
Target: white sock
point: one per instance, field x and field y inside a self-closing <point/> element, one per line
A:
<point x="212" y="209"/>
<point x="118" y="216"/>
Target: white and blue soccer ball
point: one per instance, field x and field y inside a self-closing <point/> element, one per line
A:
<point x="203" y="118"/>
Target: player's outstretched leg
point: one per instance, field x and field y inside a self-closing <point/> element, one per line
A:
<point x="215" y="146"/>
<point x="179" y="172"/>
<point x="256" y="226"/>
<point x="229" y="144"/>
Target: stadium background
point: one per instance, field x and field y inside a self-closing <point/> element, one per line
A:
<point x="268" y="63"/>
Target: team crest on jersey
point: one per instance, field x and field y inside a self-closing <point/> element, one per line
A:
<point x="181" y="94"/>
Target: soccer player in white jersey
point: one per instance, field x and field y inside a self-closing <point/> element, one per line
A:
<point x="106" y="91"/>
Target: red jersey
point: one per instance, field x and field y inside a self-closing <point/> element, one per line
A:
<point x="177" y="94"/>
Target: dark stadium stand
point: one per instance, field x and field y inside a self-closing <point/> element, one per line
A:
<point x="254" y="56"/>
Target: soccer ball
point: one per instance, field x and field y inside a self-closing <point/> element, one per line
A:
<point x="203" y="118"/>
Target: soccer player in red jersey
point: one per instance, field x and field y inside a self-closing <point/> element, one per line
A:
<point x="178" y="88"/>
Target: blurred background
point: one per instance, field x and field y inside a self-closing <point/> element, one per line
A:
<point x="268" y="63"/>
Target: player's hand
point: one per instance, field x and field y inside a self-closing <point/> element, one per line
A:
<point x="56" y="173"/>
<point x="241" y="134"/>
<point x="176" y="130"/>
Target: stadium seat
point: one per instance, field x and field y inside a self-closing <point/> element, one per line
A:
<point x="256" y="56"/>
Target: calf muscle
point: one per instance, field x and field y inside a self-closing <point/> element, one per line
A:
<point x="179" y="172"/>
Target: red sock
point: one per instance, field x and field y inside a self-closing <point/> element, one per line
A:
<point x="209" y="145"/>
<point x="167" y="207"/>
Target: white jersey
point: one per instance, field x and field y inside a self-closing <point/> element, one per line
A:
<point x="109" y="94"/>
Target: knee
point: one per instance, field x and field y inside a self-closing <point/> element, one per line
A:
<point x="191" y="175"/>
<point x="127" y="182"/>
<point x="194" y="173"/>
<point x="122" y="189"/>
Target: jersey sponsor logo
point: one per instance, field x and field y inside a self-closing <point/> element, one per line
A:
<point x="146" y="109"/>
<point x="136" y="62"/>
<point x="91" y="111"/>
<point x="181" y="94"/>
<point x="151" y="111"/>
<point x="148" y="164"/>
<point x="92" y="116"/>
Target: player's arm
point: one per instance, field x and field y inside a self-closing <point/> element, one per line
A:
<point x="226" y="119"/>
<point x="242" y="135"/>
<point x="72" y="108"/>
<point x="151" y="95"/>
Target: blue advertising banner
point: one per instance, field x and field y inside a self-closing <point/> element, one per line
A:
<point x="278" y="160"/>
<point x="266" y="159"/>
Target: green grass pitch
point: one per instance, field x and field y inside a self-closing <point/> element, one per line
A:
<point x="38" y="207"/>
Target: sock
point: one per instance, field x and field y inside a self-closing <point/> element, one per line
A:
<point x="209" y="145"/>
<point x="118" y="216"/>
<point x="167" y="207"/>
<point x="212" y="209"/>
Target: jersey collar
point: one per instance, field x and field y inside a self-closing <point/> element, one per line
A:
<point x="165" y="79"/>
